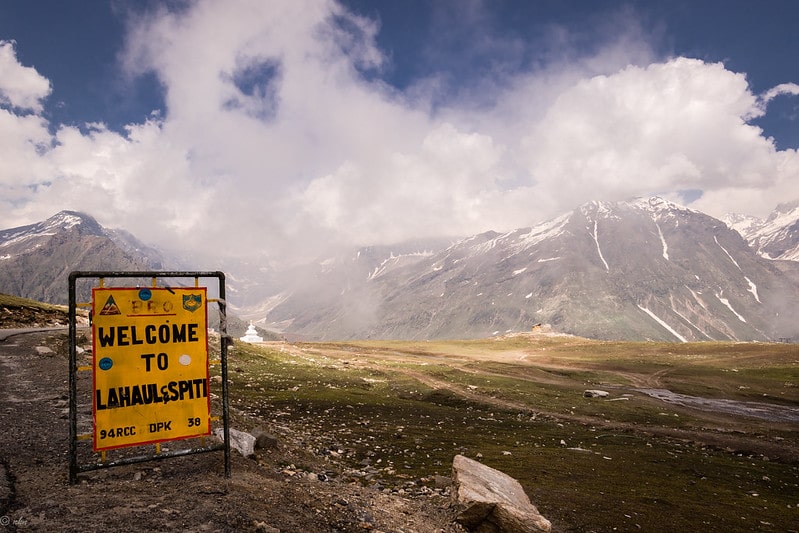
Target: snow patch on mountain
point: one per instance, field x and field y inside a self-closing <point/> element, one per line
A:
<point x="598" y="248"/>
<point x="726" y="252"/>
<point x="753" y="289"/>
<point x="662" y="323"/>
<point x="727" y="303"/>
<point x="696" y="297"/>
<point x="394" y="259"/>
<point x="547" y="230"/>
<point x="660" y="207"/>
<point x="663" y="242"/>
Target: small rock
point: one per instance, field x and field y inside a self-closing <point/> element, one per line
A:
<point x="264" y="440"/>
<point x="442" y="482"/>
<point x="264" y="527"/>
<point x="594" y="393"/>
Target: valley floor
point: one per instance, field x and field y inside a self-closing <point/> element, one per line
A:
<point x="180" y="494"/>
<point x="367" y="432"/>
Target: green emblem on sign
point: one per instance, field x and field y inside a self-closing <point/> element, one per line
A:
<point x="192" y="302"/>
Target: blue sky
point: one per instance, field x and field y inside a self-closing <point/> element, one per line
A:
<point x="376" y="121"/>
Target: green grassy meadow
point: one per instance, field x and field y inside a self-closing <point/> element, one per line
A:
<point x="627" y="462"/>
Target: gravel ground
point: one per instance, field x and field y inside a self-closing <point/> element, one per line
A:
<point x="179" y="494"/>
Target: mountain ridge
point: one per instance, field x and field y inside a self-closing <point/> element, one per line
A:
<point x="38" y="258"/>
<point x="773" y="237"/>
<point x="647" y="269"/>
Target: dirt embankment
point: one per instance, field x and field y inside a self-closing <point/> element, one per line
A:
<point x="25" y="316"/>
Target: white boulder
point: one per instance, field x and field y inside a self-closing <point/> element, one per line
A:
<point x="490" y="500"/>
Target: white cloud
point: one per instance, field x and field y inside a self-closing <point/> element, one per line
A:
<point x="273" y="139"/>
<point x="444" y="184"/>
<point x="670" y="126"/>
<point x="783" y="88"/>
<point x="24" y="136"/>
<point x="21" y="87"/>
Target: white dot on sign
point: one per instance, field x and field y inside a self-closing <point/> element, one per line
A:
<point x="185" y="359"/>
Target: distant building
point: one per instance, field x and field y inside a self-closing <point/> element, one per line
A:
<point x="251" y="335"/>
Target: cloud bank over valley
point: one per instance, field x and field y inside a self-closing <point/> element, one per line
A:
<point x="279" y="132"/>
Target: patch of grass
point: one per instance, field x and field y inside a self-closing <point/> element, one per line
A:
<point x="9" y="301"/>
<point x="397" y="413"/>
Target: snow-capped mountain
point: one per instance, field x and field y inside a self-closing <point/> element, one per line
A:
<point x="35" y="260"/>
<point x="775" y="237"/>
<point x="646" y="269"/>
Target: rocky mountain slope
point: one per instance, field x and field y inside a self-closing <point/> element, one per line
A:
<point x="647" y="269"/>
<point x="776" y="236"/>
<point x="35" y="260"/>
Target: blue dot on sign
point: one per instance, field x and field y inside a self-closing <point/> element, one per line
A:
<point x="145" y="294"/>
<point x="106" y="363"/>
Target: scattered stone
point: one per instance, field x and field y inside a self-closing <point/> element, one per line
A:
<point x="44" y="350"/>
<point x="265" y="528"/>
<point x="594" y="393"/>
<point x="490" y="500"/>
<point x="442" y="482"/>
<point x="264" y="440"/>
<point x="241" y="441"/>
<point x="578" y="449"/>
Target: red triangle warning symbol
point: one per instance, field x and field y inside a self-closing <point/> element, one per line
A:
<point x="110" y="307"/>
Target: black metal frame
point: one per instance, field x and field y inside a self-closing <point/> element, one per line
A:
<point x="74" y="467"/>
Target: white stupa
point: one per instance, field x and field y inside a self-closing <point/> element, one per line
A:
<point x="251" y="335"/>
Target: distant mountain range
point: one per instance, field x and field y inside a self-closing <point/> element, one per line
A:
<point x="775" y="237"/>
<point x="646" y="269"/>
<point x="639" y="270"/>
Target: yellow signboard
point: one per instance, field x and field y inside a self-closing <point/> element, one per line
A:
<point x="150" y="365"/>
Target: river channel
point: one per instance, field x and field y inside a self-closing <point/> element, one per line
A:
<point x="764" y="411"/>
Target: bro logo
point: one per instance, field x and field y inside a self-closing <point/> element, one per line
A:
<point x="192" y="302"/>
